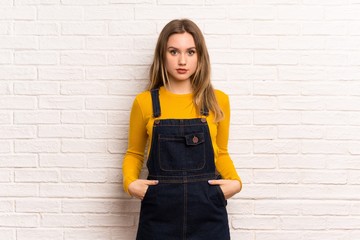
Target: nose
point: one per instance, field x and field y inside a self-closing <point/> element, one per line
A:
<point x="182" y="59"/>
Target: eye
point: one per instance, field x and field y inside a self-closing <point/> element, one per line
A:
<point x="191" y="52"/>
<point x="173" y="52"/>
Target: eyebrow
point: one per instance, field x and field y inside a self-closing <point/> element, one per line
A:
<point x="186" y="49"/>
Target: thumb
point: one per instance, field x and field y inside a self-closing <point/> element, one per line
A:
<point x="152" y="182"/>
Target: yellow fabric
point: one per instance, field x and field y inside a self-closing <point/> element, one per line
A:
<point x="175" y="106"/>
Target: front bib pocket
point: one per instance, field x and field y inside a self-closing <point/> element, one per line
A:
<point x="181" y="153"/>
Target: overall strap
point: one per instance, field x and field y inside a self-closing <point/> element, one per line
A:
<point x="155" y="102"/>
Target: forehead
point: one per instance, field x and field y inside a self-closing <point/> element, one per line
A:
<point x="181" y="40"/>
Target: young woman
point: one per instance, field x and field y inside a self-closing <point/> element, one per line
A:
<point x="185" y="124"/>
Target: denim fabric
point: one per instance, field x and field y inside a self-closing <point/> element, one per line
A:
<point x="183" y="206"/>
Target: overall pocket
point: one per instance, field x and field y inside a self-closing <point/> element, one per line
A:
<point x="181" y="153"/>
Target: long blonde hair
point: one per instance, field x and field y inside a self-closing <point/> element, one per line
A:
<point x="203" y="91"/>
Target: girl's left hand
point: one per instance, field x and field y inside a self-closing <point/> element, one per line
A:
<point x="228" y="187"/>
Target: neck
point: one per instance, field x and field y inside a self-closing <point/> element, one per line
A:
<point x="179" y="87"/>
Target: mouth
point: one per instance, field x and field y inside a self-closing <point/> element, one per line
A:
<point x="181" y="70"/>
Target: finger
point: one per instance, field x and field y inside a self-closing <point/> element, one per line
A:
<point x="215" y="182"/>
<point x="152" y="182"/>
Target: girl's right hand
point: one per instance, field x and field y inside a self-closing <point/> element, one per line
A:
<point x="139" y="187"/>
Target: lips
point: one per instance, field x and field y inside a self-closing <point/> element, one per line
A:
<point x="181" y="70"/>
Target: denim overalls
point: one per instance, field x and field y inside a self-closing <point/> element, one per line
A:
<point x="183" y="205"/>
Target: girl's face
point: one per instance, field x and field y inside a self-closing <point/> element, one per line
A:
<point x="181" y="57"/>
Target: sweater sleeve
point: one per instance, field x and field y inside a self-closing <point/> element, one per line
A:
<point x="224" y="164"/>
<point x="134" y="157"/>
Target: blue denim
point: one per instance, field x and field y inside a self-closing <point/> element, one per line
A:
<point x="182" y="206"/>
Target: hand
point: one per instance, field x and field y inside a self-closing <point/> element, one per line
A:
<point x="139" y="187"/>
<point x="228" y="187"/>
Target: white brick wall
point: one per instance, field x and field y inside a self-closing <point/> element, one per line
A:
<point x="69" y="70"/>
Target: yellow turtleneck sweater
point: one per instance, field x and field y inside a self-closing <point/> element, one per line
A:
<point x="174" y="106"/>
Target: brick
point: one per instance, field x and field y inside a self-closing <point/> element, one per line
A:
<point x="37" y="2"/>
<point x="83" y="234"/>
<point x="300" y="12"/>
<point x="257" y="132"/>
<point x="10" y="42"/>
<point x="318" y="192"/>
<point x="17" y="73"/>
<point x="86" y="176"/>
<point x="5" y="176"/>
<point x="300" y="132"/>
<point x="36" y="88"/>
<point x="253" y="103"/>
<point x="61" y="43"/>
<point x="108" y="103"/>
<point x="6" y="57"/>
<point x="61" y="191"/>
<point x="249" y="12"/>
<point x="306" y="223"/>
<point x="18" y="190"/>
<point x="104" y="190"/>
<point x="38" y="117"/>
<point x="276" y="28"/>
<point x="109" y="13"/>
<point x="5" y="147"/>
<point x="104" y="160"/>
<point x="90" y="117"/>
<point x="111" y="220"/>
<point x="87" y="28"/>
<point x="269" y="88"/>
<point x="61" y="103"/>
<point x="321" y="208"/>
<point x="302" y="73"/>
<point x="277" y="117"/>
<point x="18" y="160"/>
<point x="17" y="102"/>
<point x="83" y="59"/>
<point x="324" y="28"/>
<point x="276" y="146"/>
<point x="18" y="220"/>
<point x="105" y="132"/>
<point x="36" y="176"/>
<point x="82" y="146"/>
<point x="60" y="13"/>
<point x="17" y="132"/>
<point x="84" y="88"/>
<point x="37" y="206"/>
<point x="39" y="234"/>
<point x="17" y="13"/>
<point x="110" y="73"/>
<point x="246" y="42"/>
<point x="35" y="58"/>
<point x="124" y="28"/>
<point x="255" y="161"/>
<point x="301" y="103"/>
<point x="36" y="146"/>
<point x="36" y="28"/>
<point x="86" y="206"/>
<point x="5" y="117"/>
<point x="255" y="223"/>
<point x="62" y="220"/>
<point x="342" y="12"/>
<point x="275" y="58"/>
<point x="307" y="161"/>
<point x="6" y="206"/>
<point x="233" y="57"/>
<point x="280" y="177"/>
<point x="278" y="207"/>
<point x="110" y="43"/>
<point x="135" y="58"/>
<point x="62" y="160"/>
<point x="63" y="131"/>
<point x="63" y="74"/>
